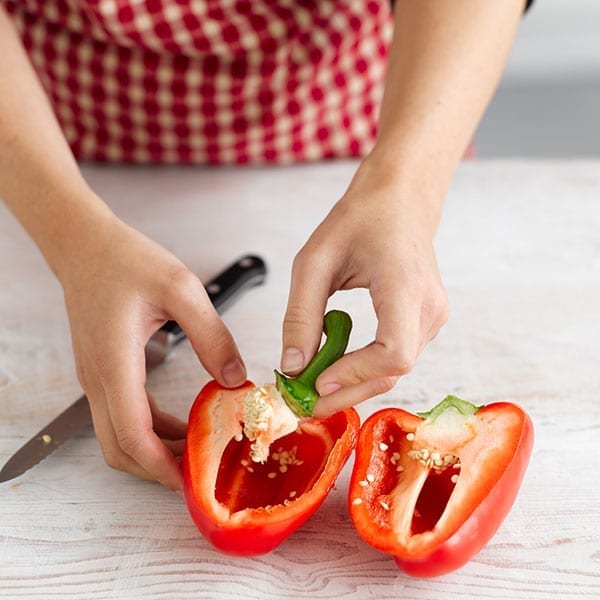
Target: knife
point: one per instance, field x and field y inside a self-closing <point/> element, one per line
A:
<point x="247" y="271"/>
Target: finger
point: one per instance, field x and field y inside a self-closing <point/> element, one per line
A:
<point x="213" y="343"/>
<point x="393" y="353"/>
<point x="105" y="434"/>
<point x="303" y="321"/>
<point x="175" y="446"/>
<point x="166" y="426"/>
<point x="352" y="395"/>
<point x="129" y="410"/>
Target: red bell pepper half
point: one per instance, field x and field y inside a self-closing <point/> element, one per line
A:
<point x="432" y="489"/>
<point x="247" y="508"/>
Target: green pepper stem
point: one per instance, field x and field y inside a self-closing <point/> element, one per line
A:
<point x="462" y="406"/>
<point x="299" y="392"/>
<point x="336" y="326"/>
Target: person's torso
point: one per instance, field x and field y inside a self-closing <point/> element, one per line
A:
<point x="210" y="81"/>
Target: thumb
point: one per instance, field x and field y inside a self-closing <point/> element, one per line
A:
<point x="303" y="321"/>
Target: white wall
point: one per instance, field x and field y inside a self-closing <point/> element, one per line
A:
<point x="559" y="41"/>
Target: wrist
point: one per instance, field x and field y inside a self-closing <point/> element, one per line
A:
<point x="68" y="228"/>
<point x="403" y="165"/>
<point x="415" y="195"/>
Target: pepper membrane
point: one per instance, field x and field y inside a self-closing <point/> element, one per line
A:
<point x="432" y="489"/>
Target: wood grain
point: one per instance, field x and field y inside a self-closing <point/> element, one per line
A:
<point x="518" y="249"/>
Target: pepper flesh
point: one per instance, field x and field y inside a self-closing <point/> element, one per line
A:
<point x="247" y="508"/>
<point x="434" y="518"/>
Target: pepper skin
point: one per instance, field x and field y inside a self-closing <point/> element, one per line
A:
<point x="246" y="508"/>
<point x="432" y="490"/>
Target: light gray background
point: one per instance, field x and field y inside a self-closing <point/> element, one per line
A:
<point x="548" y="103"/>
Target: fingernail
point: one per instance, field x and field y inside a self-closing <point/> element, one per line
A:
<point x="329" y="388"/>
<point x="292" y="360"/>
<point x="234" y="373"/>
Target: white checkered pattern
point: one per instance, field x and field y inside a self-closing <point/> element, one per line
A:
<point x="210" y="81"/>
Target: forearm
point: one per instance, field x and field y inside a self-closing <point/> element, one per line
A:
<point x="445" y="62"/>
<point x="39" y="179"/>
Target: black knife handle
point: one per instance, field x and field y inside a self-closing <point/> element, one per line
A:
<point x="246" y="272"/>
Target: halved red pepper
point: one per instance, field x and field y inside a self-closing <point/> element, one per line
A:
<point x="245" y="507"/>
<point x="432" y="489"/>
<point x="248" y="508"/>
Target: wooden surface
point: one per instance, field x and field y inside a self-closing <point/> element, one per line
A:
<point x="520" y="254"/>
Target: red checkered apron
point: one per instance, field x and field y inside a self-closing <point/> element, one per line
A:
<point x="210" y="81"/>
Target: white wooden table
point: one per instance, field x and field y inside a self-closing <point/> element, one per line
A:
<point x="519" y="249"/>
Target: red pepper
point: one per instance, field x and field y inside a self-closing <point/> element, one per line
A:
<point x="431" y="490"/>
<point x="248" y="508"/>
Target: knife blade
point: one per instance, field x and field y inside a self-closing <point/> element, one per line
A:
<point x="248" y="271"/>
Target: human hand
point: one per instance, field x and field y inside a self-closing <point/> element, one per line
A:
<point x="378" y="236"/>
<point x="121" y="289"/>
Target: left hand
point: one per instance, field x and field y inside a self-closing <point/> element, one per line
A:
<point x="378" y="236"/>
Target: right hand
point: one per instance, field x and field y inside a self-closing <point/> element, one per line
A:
<point x="118" y="292"/>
